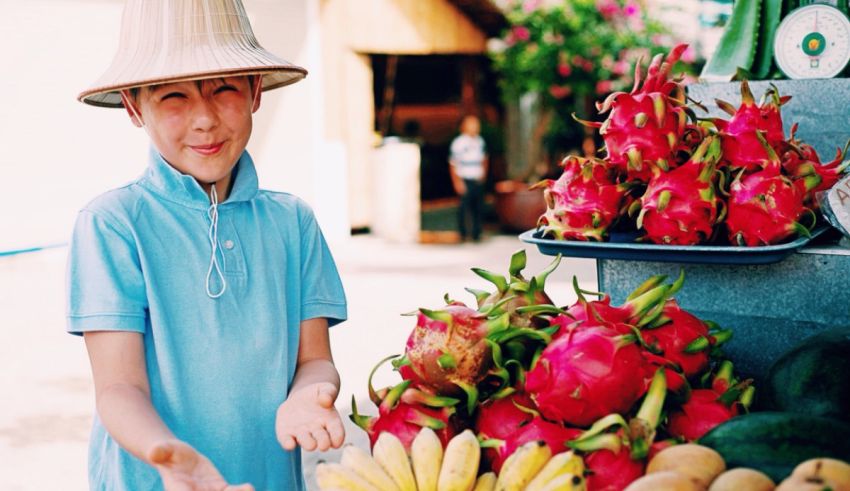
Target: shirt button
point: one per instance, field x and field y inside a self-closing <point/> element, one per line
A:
<point x="228" y="244"/>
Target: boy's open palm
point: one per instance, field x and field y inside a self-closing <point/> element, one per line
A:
<point x="308" y="418"/>
<point x="183" y="468"/>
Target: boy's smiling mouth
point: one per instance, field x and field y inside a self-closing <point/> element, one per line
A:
<point x="211" y="149"/>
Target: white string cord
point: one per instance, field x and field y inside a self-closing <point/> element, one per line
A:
<point x="212" y="212"/>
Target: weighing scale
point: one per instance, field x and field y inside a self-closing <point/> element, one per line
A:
<point x="813" y="41"/>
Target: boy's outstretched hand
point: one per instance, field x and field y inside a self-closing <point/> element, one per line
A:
<point x="183" y="468"/>
<point x="308" y="418"/>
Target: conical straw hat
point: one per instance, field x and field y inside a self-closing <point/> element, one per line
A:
<point x="165" y="41"/>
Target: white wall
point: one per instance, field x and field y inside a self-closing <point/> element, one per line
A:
<point x="56" y="154"/>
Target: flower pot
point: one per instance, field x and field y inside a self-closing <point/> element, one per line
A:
<point x="518" y="207"/>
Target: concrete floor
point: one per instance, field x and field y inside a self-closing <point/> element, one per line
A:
<point x="48" y="397"/>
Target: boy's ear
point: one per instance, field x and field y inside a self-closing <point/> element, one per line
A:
<point x="258" y="91"/>
<point x="131" y="109"/>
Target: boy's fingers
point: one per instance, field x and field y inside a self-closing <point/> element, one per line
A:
<point x="327" y="395"/>
<point x="161" y="453"/>
<point x="241" y="487"/>
<point x="336" y="432"/>
<point x="288" y="442"/>
<point x="306" y="440"/>
<point x="323" y="440"/>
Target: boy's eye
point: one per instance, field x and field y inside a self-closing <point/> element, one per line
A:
<point x="225" y="88"/>
<point x="172" y="95"/>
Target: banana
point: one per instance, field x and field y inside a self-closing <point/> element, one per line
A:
<point x="337" y="476"/>
<point x="460" y="463"/>
<point x="562" y="463"/>
<point x="566" y="482"/>
<point x="389" y="452"/>
<point x="486" y="482"/>
<point x="364" y="465"/>
<point x="426" y="452"/>
<point x="522" y="465"/>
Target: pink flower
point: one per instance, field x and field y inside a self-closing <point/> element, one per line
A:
<point x="608" y="8"/>
<point x="560" y="91"/>
<point x="621" y="67"/>
<point x="529" y="6"/>
<point x="521" y="33"/>
<point x="603" y="87"/>
<point x="632" y="8"/>
<point x="564" y="69"/>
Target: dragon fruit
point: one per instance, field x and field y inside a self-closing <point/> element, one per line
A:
<point x="708" y="408"/>
<point x="680" y="206"/>
<point x="448" y="350"/>
<point x="404" y="411"/>
<point x="616" y="459"/>
<point x="497" y="450"/>
<point x="684" y="339"/>
<point x="741" y="134"/>
<point x="586" y="373"/>
<point x="584" y="202"/>
<point x="765" y="206"/>
<point x="516" y="292"/>
<point x="645" y="128"/>
<point x="633" y="312"/>
<point x="802" y="164"/>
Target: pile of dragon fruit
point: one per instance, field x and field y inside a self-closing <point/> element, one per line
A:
<point x="684" y="180"/>
<point x="615" y="382"/>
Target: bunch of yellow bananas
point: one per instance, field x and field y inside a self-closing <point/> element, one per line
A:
<point x="531" y="468"/>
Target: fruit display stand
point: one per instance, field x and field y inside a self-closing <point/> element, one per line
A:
<point x="770" y="307"/>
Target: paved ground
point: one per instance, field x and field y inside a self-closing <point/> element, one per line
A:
<point x="44" y="375"/>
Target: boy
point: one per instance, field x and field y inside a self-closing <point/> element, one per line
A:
<point x="468" y="170"/>
<point x="204" y="301"/>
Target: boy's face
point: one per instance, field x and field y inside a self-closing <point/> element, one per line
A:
<point x="471" y="126"/>
<point x="200" y="127"/>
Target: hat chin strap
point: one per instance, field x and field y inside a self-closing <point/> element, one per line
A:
<point x="128" y="103"/>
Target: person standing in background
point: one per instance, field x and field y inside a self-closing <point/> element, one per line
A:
<point x="468" y="168"/>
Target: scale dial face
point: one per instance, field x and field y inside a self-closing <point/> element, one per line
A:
<point x="813" y="42"/>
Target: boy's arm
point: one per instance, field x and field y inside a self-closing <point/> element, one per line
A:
<point x="308" y="417"/>
<point x="122" y="393"/>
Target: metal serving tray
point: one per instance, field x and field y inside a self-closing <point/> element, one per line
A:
<point x="627" y="249"/>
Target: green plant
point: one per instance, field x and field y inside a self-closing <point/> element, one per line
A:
<point x="572" y="53"/>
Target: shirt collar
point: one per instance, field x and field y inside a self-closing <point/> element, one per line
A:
<point x="167" y="181"/>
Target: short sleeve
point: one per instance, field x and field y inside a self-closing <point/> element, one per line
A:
<point x="322" y="294"/>
<point x="105" y="284"/>
<point x="454" y="150"/>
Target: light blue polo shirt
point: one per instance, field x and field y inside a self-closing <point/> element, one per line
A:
<point x="218" y="368"/>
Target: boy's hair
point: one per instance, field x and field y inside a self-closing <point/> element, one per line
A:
<point x="135" y="91"/>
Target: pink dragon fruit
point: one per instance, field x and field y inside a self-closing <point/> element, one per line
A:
<point x="680" y="206"/>
<point x="404" y="411"/>
<point x="740" y="135"/>
<point x="516" y="292"/>
<point x="583" y="203"/>
<point x="644" y="131"/>
<point x="616" y="459"/>
<point x="708" y="408"/>
<point x="499" y="418"/>
<point x="586" y="373"/>
<point x="802" y="164"/>
<point x="556" y="436"/>
<point x="684" y="339"/>
<point x="633" y="312"/>
<point x="448" y="350"/>
<point x="765" y="206"/>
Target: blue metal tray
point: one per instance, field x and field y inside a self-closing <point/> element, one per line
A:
<point x="699" y="254"/>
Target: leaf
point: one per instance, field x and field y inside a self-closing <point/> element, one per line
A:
<point x="737" y="46"/>
<point x="771" y="12"/>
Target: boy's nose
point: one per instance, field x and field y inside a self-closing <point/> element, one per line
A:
<point x="205" y="117"/>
